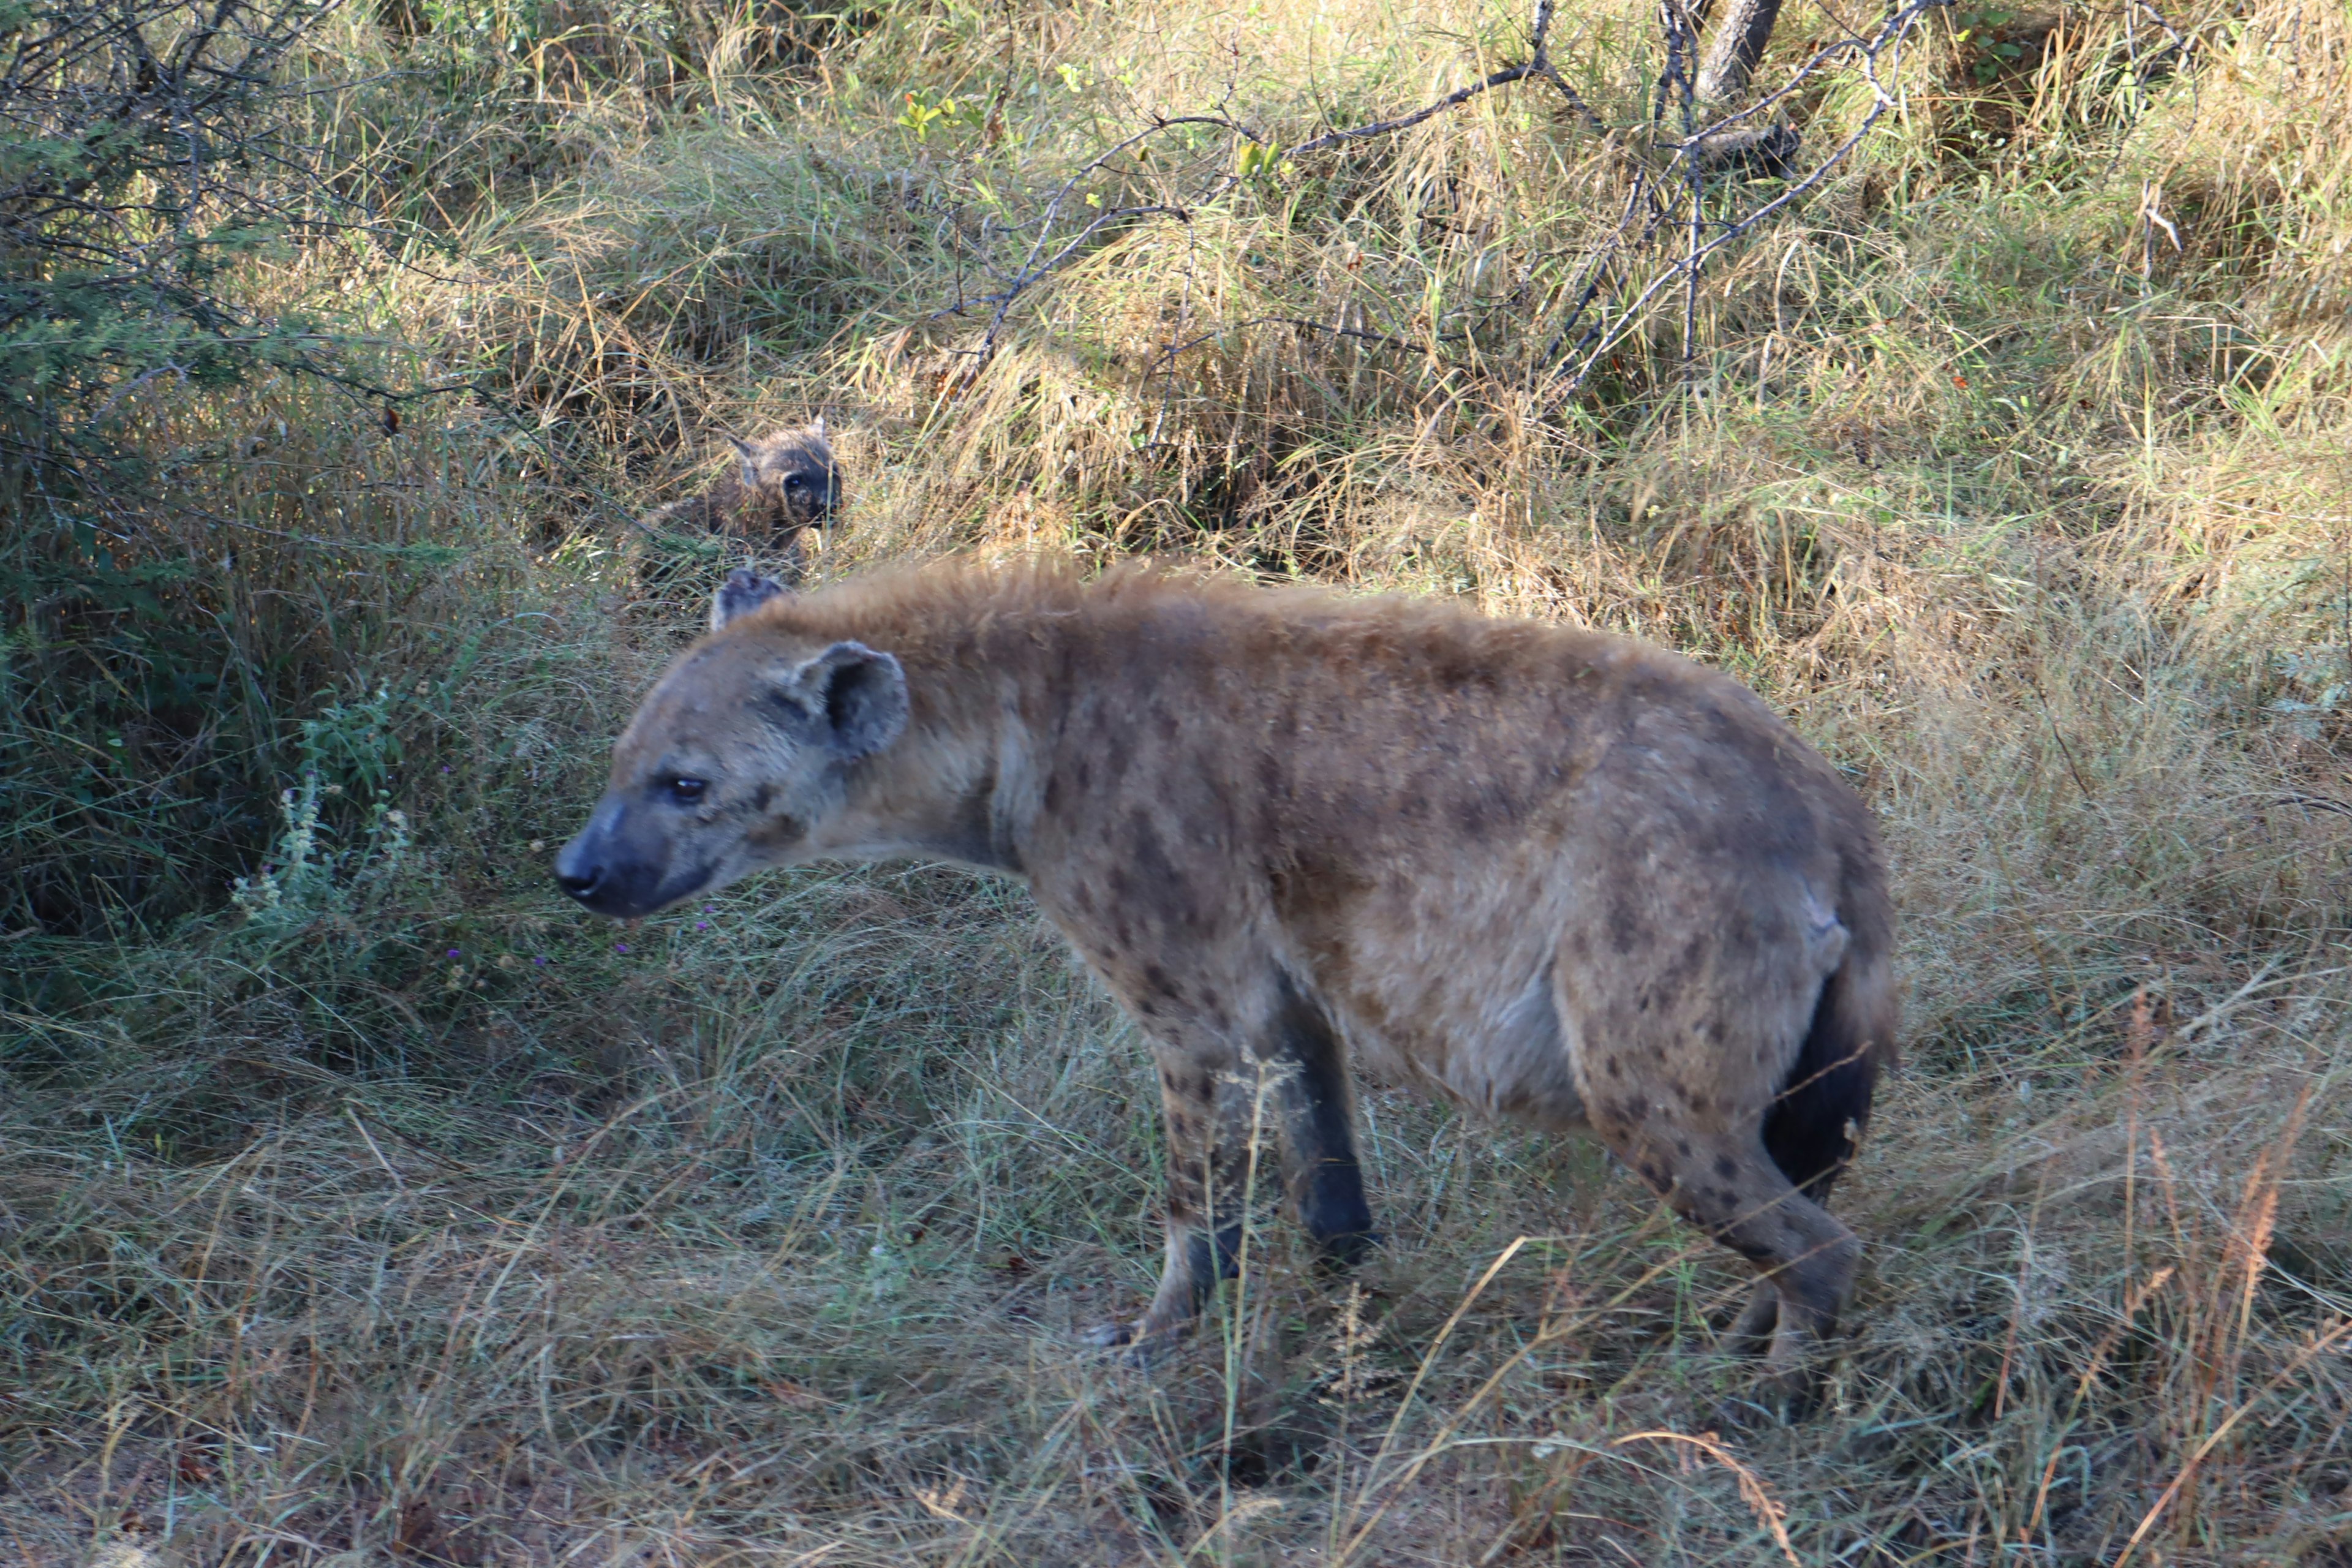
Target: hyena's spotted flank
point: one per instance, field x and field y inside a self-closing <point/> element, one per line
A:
<point x="786" y="483"/>
<point x="1554" y="874"/>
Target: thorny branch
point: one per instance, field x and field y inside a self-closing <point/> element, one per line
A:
<point x="147" y="144"/>
<point x="1667" y="196"/>
<point x="1605" y="333"/>
<point x="1537" y="65"/>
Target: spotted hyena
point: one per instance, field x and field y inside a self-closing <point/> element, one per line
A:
<point x="1552" y="875"/>
<point x="784" y="482"/>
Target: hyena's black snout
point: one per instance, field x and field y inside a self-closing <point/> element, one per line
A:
<point x="587" y="877"/>
<point x="598" y="871"/>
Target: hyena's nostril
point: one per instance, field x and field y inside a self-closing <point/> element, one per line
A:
<point x="581" y="885"/>
<point x="580" y="882"/>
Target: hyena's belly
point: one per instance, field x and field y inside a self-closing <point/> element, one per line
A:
<point x="1501" y="1050"/>
<point x="1448" y="985"/>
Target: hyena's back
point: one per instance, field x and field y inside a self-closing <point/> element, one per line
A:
<point x="1449" y="820"/>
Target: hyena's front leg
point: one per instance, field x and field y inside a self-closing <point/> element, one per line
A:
<point x="1318" y="1125"/>
<point x="1211" y="1126"/>
<point x="1277" y="1109"/>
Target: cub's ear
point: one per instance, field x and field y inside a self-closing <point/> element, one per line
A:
<point x="856" y="698"/>
<point x="743" y="593"/>
<point x="750" y="456"/>
<point x="816" y="426"/>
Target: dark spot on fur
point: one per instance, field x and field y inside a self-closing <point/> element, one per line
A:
<point x="1159" y="885"/>
<point x="1156" y="981"/>
<point x="1681" y="1148"/>
<point x="762" y="796"/>
<point x="1613" y="1067"/>
<point x="1475" y="816"/>
<point x="1726" y="1166"/>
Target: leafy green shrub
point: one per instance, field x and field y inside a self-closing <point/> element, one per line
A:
<point x="157" y="159"/>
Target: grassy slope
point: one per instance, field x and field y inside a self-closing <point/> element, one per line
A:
<point x="391" y="1212"/>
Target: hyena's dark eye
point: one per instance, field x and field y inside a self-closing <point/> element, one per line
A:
<point x="796" y="482"/>
<point x="686" y="792"/>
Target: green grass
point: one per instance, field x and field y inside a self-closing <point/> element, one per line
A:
<point x="378" y="1209"/>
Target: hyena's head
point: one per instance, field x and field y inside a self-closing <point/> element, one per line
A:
<point x="738" y="760"/>
<point x="793" y="474"/>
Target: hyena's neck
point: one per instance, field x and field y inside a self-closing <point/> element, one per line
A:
<point x="963" y="783"/>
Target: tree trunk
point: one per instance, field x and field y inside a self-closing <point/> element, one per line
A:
<point x="1738" y="44"/>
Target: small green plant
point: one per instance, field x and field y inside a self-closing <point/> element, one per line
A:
<point x="928" y="108"/>
<point x="356" y="745"/>
<point x="1992" y="54"/>
<point x="2316" y="686"/>
<point x="307" y="876"/>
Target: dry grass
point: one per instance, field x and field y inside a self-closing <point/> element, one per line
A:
<point x="387" y="1213"/>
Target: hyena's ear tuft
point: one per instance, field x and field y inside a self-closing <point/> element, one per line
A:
<point x="853" y="697"/>
<point x="816" y="426"/>
<point x="743" y="593"/>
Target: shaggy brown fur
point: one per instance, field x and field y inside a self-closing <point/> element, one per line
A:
<point x="784" y="482"/>
<point x="1553" y="875"/>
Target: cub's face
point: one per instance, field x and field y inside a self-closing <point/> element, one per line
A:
<point x="735" y="762"/>
<point x="794" y="471"/>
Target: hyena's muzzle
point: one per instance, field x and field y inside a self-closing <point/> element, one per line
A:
<point x="616" y="867"/>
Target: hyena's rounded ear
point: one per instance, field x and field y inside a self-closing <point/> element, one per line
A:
<point x="743" y="593"/>
<point x="750" y="456"/>
<point x="816" y="426"/>
<point x="855" y="698"/>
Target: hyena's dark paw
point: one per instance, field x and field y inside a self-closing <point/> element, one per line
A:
<point x="1110" y="1336"/>
<point x="1341" y="1254"/>
<point x="1752" y="1335"/>
<point x="1773" y="1399"/>
<point x="1130" y="1344"/>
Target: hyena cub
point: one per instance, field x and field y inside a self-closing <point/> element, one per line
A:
<point x="786" y="483"/>
<point x="1555" y="875"/>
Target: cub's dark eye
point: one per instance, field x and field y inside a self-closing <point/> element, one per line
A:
<point x="686" y="792"/>
<point x="795" y="482"/>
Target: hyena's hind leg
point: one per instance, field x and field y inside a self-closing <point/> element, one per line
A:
<point x="1814" y="1127"/>
<point x="1727" y="1184"/>
<point x="1698" y="1140"/>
